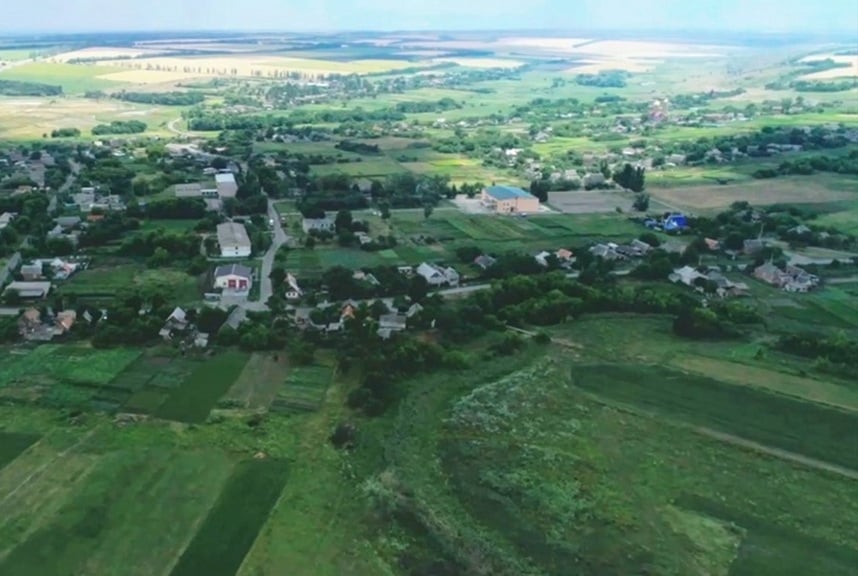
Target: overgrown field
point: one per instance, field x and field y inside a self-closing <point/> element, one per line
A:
<point x="13" y="444"/>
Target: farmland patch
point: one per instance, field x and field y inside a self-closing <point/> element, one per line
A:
<point x="13" y="444"/>
<point x="259" y="381"/>
<point x="304" y="390"/>
<point x="229" y="530"/>
<point x="802" y="427"/>
<point x="192" y="400"/>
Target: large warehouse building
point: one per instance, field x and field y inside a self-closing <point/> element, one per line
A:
<point x="233" y="240"/>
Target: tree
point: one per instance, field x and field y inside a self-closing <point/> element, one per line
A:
<point x="427" y="211"/>
<point x="641" y="203"/>
<point x="343" y="221"/>
<point x="384" y="208"/>
<point x="141" y="187"/>
<point x="540" y="189"/>
<point x="418" y="288"/>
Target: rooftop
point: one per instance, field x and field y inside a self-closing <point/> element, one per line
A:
<point x="232" y="234"/>
<point x="507" y="192"/>
<point x="223" y="178"/>
<point x="233" y="270"/>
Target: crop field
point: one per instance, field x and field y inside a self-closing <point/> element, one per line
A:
<point x="132" y="515"/>
<point x="70" y="364"/>
<point x="369" y="167"/>
<point x="192" y="400"/>
<point x="74" y="78"/>
<point x="228" y="532"/>
<point x="791" y="190"/>
<point x="304" y="389"/>
<point x="259" y="381"/>
<point x="13" y="444"/>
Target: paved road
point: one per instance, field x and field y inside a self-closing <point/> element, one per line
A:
<point x="265" y="288"/>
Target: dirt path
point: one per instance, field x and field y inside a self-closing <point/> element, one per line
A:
<point x="732" y="439"/>
<point x="778" y="453"/>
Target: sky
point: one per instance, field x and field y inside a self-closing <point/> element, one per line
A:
<point x="818" y="16"/>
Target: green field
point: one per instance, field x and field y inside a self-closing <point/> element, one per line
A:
<point x="303" y="391"/>
<point x="233" y="523"/>
<point x="132" y="515"/>
<point x="74" y="78"/>
<point x="102" y="282"/>
<point x="12" y="445"/>
<point x="68" y="364"/>
<point x="192" y="400"/>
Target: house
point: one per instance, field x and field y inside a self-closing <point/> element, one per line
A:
<point x="434" y="276"/>
<point x="800" y="230"/>
<point x="29" y="322"/>
<point x="712" y="244"/>
<point x="294" y="292"/>
<point x="674" y="223"/>
<point x="407" y="271"/>
<point x="325" y="224"/>
<point x="29" y="289"/>
<point x="30" y="272"/>
<point x="565" y="255"/>
<point x="415" y="309"/>
<point x="65" y="321"/>
<point x="509" y="200"/>
<point x="201" y="340"/>
<point x="233" y="278"/>
<point x="177" y="321"/>
<point x="192" y="190"/>
<point x="639" y="247"/>
<point x="6" y="219"/>
<point x="753" y="246"/>
<point x="542" y="258"/>
<point x="770" y="274"/>
<point x="55" y="232"/>
<point x="606" y="252"/>
<point x="594" y="179"/>
<point x="687" y="275"/>
<point x="363" y="238"/>
<point x="484" y="261"/>
<point x="233" y="240"/>
<point x="393" y="322"/>
<point x="367" y="277"/>
<point x="225" y="184"/>
<point x="68" y="222"/>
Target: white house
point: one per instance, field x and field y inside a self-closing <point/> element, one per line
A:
<point x="225" y="184"/>
<point x="5" y="219"/>
<point x="233" y="240"/>
<point x="233" y="278"/>
<point x="438" y="276"/>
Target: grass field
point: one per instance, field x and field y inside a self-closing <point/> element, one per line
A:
<point x="70" y="364"/>
<point x="132" y="515"/>
<point x="229" y="530"/>
<point x="192" y="400"/>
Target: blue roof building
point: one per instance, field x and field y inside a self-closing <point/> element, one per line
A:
<point x="674" y="222"/>
<point x="509" y="199"/>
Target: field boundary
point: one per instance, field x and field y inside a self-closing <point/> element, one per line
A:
<point x="727" y="438"/>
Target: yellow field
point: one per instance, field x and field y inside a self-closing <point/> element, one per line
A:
<point x="32" y="117"/>
<point x="845" y="72"/>
<point x="174" y="68"/>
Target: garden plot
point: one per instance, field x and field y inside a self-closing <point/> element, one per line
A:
<point x="303" y="391"/>
<point x="590" y="201"/>
<point x="192" y="401"/>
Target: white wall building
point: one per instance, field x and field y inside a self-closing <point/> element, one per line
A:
<point x="233" y="240"/>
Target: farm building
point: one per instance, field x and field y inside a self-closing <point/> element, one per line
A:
<point x="325" y="224"/>
<point x="509" y="200"/>
<point x="233" y="278"/>
<point x="675" y="222"/>
<point x="233" y="240"/>
<point x="226" y="186"/>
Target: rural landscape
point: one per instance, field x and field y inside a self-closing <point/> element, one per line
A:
<point x="428" y="304"/>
